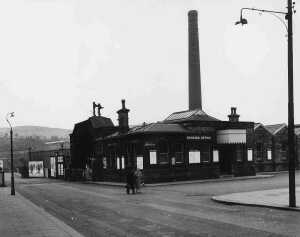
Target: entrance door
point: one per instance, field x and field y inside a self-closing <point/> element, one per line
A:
<point x="227" y="155"/>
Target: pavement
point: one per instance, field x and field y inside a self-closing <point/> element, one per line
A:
<point x="222" y="179"/>
<point x="20" y="217"/>
<point x="274" y="198"/>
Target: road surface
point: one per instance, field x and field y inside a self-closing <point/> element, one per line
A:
<point x="175" y="210"/>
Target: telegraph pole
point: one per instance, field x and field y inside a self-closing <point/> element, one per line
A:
<point x="291" y="125"/>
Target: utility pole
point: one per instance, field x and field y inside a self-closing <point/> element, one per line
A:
<point x="291" y="125"/>
<point x="12" y="191"/>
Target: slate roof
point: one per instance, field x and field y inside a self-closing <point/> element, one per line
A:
<point x="275" y="128"/>
<point x="257" y="125"/>
<point x="190" y="115"/>
<point x="151" y="128"/>
<point x="99" y="121"/>
<point x="160" y="128"/>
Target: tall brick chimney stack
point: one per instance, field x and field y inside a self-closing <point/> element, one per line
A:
<point x="195" y="98"/>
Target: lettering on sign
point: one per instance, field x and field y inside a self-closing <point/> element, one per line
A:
<point x="198" y="137"/>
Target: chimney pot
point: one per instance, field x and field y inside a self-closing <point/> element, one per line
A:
<point x="233" y="117"/>
<point x="123" y="104"/>
<point x="123" y="118"/>
<point x="94" y="106"/>
<point x="233" y="110"/>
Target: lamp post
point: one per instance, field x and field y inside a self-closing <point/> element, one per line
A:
<point x="12" y="191"/>
<point x="291" y="133"/>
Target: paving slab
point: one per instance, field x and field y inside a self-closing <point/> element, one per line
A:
<point x="20" y="217"/>
<point x="274" y="198"/>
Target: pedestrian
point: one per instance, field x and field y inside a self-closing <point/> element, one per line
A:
<point x="130" y="181"/>
<point x="138" y="175"/>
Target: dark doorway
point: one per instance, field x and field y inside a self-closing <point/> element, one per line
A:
<point x="227" y="155"/>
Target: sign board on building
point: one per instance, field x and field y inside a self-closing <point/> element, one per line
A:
<point x="202" y="137"/>
<point x="140" y="162"/>
<point x="36" y="168"/>
<point x="153" y="160"/>
<point x="194" y="157"/>
<point x="215" y="156"/>
<point x="250" y="155"/>
<point x="269" y="155"/>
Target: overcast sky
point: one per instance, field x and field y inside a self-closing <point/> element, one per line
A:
<point x="57" y="57"/>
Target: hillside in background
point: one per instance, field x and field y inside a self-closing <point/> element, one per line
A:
<point x="36" y="131"/>
<point x="35" y="137"/>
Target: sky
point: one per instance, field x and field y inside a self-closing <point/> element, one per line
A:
<point x="57" y="57"/>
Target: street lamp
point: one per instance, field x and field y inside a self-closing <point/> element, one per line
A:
<point x="12" y="191"/>
<point x="291" y="133"/>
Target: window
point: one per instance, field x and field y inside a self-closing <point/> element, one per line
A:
<point x="249" y="155"/>
<point x="205" y="157"/>
<point x="112" y="159"/>
<point x="269" y="152"/>
<point x="259" y="151"/>
<point x="215" y="156"/>
<point x="60" y="169"/>
<point x="123" y="162"/>
<point x="118" y="163"/>
<point x="60" y="159"/>
<point x="163" y="157"/>
<point x="194" y="156"/>
<point x="178" y="153"/>
<point x="239" y="153"/>
<point x="153" y="160"/>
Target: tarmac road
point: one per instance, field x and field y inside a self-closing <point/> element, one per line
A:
<point x="176" y="210"/>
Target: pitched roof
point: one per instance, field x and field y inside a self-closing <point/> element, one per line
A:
<point x="99" y="121"/>
<point x="275" y="128"/>
<point x="190" y="115"/>
<point x="151" y="128"/>
<point x="160" y="128"/>
<point x="257" y="125"/>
